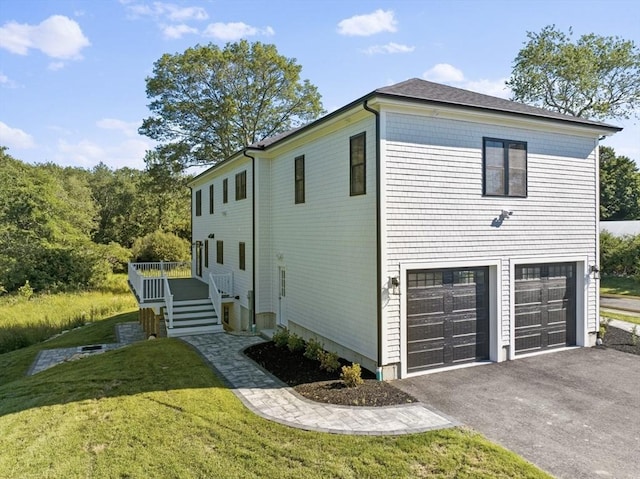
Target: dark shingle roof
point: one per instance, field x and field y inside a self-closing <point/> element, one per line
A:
<point x="422" y="90"/>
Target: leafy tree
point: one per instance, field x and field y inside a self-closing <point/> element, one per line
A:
<point x="596" y="77"/>
<point x="161" y="246"/>
<point x="619" y="187"/>
<point x="207" y="103"/>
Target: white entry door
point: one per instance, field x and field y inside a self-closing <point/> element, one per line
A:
<point x="282" y="296"/>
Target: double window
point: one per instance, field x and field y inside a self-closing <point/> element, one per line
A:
<point x="299" y="179"/>
<point x="357" y="165"/>
<point x="505" y="167"/>
<point x="241" y="185"/>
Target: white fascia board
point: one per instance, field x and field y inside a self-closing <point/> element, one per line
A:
<point x="492" y="117"/>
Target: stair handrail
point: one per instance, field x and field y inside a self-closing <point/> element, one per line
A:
<point x="168" y="299"/>
<point x="215" y="296"/>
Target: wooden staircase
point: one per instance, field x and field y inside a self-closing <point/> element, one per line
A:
<point x="194" y="316"/>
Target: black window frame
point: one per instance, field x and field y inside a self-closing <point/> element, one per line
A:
<point x="354" y="188"/>
<point x="225" y="190"/>
<point x="241" y="185"/>
<point x="242" y="255"/>
<point x="211" y="199"/>
<point x="198" y="202"/>
<point x="206" y="253"/>
<point x="219" y="252"/>
<point x="299" y="179"/>
<point x="505" y="168"/>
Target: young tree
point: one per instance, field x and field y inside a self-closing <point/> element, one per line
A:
<point x="619" y="187"/>
<point x="596" y="77"/>
<point x="207" y="103"/>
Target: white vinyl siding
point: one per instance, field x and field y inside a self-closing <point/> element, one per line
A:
<point x="328" y="246"/>
<point x="435" y="209"/>
<point x="231" y="224"/>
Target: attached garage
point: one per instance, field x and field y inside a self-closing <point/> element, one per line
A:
<point x="447" y="317"/>
<point x="545" y="306"/>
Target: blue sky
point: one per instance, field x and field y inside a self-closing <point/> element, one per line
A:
<point x="72" y="73"/>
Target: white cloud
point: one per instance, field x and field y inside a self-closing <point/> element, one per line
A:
<point x="168" y="11"/>
<point x="86" y="153"/>
<point x="234" y="31"/>
<point x="389" y="48"/>
<point x="128" y="128"/>
<point x="443" y="73"/>
<point x="57" y="37"/>
<point x="15" y="137"/>
<point x="7" y="82"/>
<point x="450" y="75"/>
<point x="370" y="24"/>
<point x="55" y="66"/>
<point x="177" y="31"/>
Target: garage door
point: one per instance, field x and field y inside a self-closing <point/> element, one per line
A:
<point x="447" y="317"/>
<point x="545" y="306"/>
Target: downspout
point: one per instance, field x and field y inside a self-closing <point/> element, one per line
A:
<point x="365" y="105"/>
<point x="253" y="238"/>
<point x="191" y="222"/>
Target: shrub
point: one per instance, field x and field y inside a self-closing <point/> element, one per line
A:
<point x="329" y="361"/>
<point x="295" y="343"/>
<point x="352" y="375"/>
<point x="25" y="291"/>
<point x="281" y="337"/>
<point x="161" y="246"/>
<point x="313" y="350"/>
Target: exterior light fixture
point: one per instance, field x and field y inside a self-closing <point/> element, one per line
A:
<point x="593" y="269"/>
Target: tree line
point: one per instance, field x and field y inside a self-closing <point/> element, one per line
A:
<point x="67" y="228"/>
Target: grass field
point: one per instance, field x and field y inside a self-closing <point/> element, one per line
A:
<point x="622" y="286"/>
<point x="24" y="322"/>
<point x="154" y="409"/>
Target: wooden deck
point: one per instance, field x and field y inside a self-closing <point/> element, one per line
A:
<point x="185" y="289"/>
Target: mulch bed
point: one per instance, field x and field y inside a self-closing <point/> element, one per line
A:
<point x="306" y="377"/>
<point x="621" y="340"/>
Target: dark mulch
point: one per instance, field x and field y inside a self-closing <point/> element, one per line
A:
<point x="621" y="340"/>
<point x="306" y="377"/>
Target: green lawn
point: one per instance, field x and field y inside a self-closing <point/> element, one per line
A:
<point x="620" y="317"/>
<point x="622" y="286"/>
<point x="154" y="409"/>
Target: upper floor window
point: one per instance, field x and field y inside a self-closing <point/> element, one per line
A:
<point x="299" y="179"/>
<point x="505" y="167"/>
<point x="219" y="252"/>
<point x="206" y="253"/>
<point x="225" y="190"/>
<point x="241" y="185"/>
<point x="357" y="164"/>
<point x="199" y="203"/>
<point x="211" y="204"/>
<point x="242" y="256"/>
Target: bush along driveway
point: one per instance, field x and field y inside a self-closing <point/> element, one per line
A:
<point x="572" y="413"/>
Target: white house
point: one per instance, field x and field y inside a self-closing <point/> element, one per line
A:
<point x="417" y="228"/>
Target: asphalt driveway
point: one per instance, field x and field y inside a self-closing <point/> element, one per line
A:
<point x="574" y="413"/>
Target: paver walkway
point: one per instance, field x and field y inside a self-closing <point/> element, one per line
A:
<point x="270" y="398"/>
<point x="126" y="333"/>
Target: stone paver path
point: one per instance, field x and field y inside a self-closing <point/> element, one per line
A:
<point x="126" y="333"/>
<point x="270" y="398"/>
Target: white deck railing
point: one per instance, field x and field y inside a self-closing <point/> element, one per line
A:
<point x="219" y="286"/>
<point x="168" y="300"/>
<point x="147" y="279"/>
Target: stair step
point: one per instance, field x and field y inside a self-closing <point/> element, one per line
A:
<point x="177" y="332"/>
<point x="180" y="323"/>
<point x="194" y="314"/>
<point x="192" y="302"/>
<point x="195" y="307"/>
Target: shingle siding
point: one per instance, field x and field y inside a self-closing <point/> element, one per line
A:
<point x="436" y="212"/>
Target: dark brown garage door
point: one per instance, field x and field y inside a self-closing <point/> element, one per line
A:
<point x="545" y="306"/>
<point x="447" y="317"/>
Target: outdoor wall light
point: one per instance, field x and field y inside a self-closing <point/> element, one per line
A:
<point x="595" y="271"/>
<point x="395" y="283"/>
<point x="211" y="235"/>
<point x="504" y="214"/>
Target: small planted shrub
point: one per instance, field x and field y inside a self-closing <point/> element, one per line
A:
<point x="281" y="337"/>
<point x="329" y="361"/>
<point x="313" y="350"/>
<point x="352" y="375"/>
<point x="25" y="291"/>
<point x="295" y="343"/>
